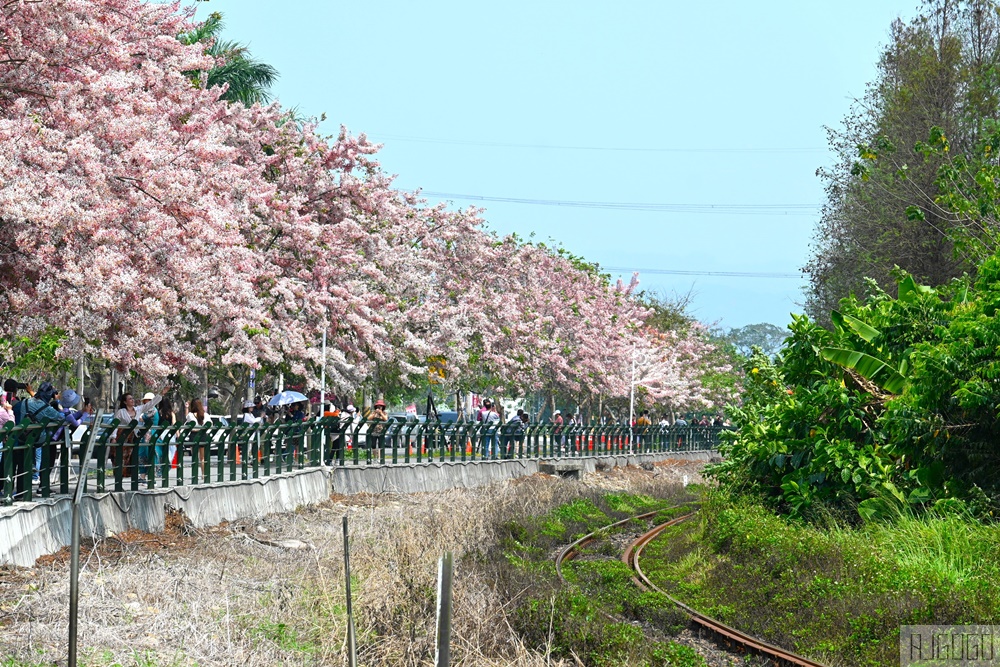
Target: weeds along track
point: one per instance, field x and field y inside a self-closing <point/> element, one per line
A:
<point x="631" y="556"/>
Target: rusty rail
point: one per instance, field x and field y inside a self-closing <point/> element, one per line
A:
<point x="759" y="646"/>
<point x="631" y="558"/>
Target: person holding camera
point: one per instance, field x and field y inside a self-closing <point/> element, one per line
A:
<point x="35" y="409"/>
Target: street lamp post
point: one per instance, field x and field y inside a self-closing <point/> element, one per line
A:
<point x="631" y="395"/>
<point x="322" y="400"/>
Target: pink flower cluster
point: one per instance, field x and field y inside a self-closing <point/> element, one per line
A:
<point x="163" y="229"/>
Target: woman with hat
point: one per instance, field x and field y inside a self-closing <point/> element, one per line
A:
<point x="378" y="430"/>
<point x="128" y="412"/>
<point x="248" y="416"/>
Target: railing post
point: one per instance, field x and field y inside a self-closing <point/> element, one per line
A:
<point x="352" y="655"/>
<point x="64" y="459"/>
<point x="442" y="654"/>
<point x="8" y="444"/>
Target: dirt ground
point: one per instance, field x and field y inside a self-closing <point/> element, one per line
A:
<point x="271" y="591"/>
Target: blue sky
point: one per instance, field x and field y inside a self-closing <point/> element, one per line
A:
<point x="687" y="106"/>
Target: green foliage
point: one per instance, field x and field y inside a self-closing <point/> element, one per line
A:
<point x="248" y="80"/>
<point x="38" y="355"/>
<point x="929" y="107"/>
<point x="834" y="593"/>
<point x="894" y="406"/>
<point x="867" y="366"/>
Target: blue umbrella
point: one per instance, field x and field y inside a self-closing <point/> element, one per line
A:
<point x="287" y="398"/>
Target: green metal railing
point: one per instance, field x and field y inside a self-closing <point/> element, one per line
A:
<point x="131" y="457"/>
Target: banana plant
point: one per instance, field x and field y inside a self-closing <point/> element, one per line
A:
<point x="875" y="370"/>
<point x="881" y="373"/>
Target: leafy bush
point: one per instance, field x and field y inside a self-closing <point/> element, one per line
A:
<point x="896" y="406"/>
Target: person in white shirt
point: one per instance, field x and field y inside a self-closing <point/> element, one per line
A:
<point x="247" y="416"/>
<point x="128" y="411"/>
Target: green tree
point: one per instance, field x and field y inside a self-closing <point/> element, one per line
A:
<point x="940" y="70"/>
<point x="248" y="80"/>
<point x="768" y="337"/>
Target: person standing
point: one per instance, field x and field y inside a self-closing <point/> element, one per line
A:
<point x="558" y="439"/>
<point x="66" y="404"/>
<point x="166" y="441"/>
<point x="6" y="410"/>
<point x="642" y="425"/>
<point x="377" y="430"/>
<point x="248" y="416"/>
<point x="6" y="415"/>
<point x="35" y="408"/>
<point x="491" y="424"/>
<point x="196" y="415"/>
<point x="149" y="420"/>
<point x="571" y="423"/>
<point x="513" y="434"/>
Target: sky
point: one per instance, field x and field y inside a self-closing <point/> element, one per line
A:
<point x="659" y="136"/>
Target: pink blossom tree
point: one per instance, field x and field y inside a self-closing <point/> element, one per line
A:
<point x="153" y="225"/>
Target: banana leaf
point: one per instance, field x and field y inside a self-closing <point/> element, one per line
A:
<point x="863" y="329"/>
<point x="909" y="289"/>
<point x="876" y="370"/>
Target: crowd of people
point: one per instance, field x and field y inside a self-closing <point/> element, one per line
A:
<point x="66" y="409"/>
<point x="61" y="409"/>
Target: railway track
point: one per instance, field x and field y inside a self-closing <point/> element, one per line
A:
<point x="631" y="558"/>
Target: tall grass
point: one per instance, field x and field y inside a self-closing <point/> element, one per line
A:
<point x="224" y="597"/>
<point x="953" y="549"/>
<point x="836" y="592"/>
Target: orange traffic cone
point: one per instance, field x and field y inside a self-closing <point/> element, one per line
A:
<point x="173" y="463"/>
<point x="238" y="455"/>
<point x="468" y="448"/>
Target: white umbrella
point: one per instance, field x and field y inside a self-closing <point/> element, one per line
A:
<point x="287" y="398"/>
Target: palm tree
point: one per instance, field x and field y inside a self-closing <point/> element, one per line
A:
<point x="248" y="79"/>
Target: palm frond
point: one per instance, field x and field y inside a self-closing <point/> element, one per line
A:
<point x="248" y="80"/>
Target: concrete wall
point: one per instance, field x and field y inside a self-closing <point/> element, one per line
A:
<point x="438" y="476"/>
<point x="28" y="531"/>
<point x="32" y="530"/>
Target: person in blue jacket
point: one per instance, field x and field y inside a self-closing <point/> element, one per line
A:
<point x="36" y="409"/>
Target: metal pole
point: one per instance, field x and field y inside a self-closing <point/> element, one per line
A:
<point x="322" y="375"/>
<point x="322" y="401"/>
<point x="442" y="655"/>
<point x="352" y="649"/>
<point x="631" y="401"/>
<point x="204" y="375"/>
<point x="74" y="561"/>
<point x="80" y="370"/>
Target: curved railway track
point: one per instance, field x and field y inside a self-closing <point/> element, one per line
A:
<point x="631" y="558"/>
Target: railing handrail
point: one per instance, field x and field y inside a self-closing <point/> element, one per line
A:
<point x="213" y="452"/>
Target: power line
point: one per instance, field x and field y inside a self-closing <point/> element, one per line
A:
<point x="624" y="149"/>
<point x="724" y="274"/>
<point x="808" y="210"/>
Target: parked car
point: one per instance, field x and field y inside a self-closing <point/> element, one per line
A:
<point x="448" y="417"/>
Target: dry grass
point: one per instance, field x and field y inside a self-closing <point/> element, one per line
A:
<point x="226" y="597"/>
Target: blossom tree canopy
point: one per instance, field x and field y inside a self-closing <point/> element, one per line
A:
<point x="154" y="225"/>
